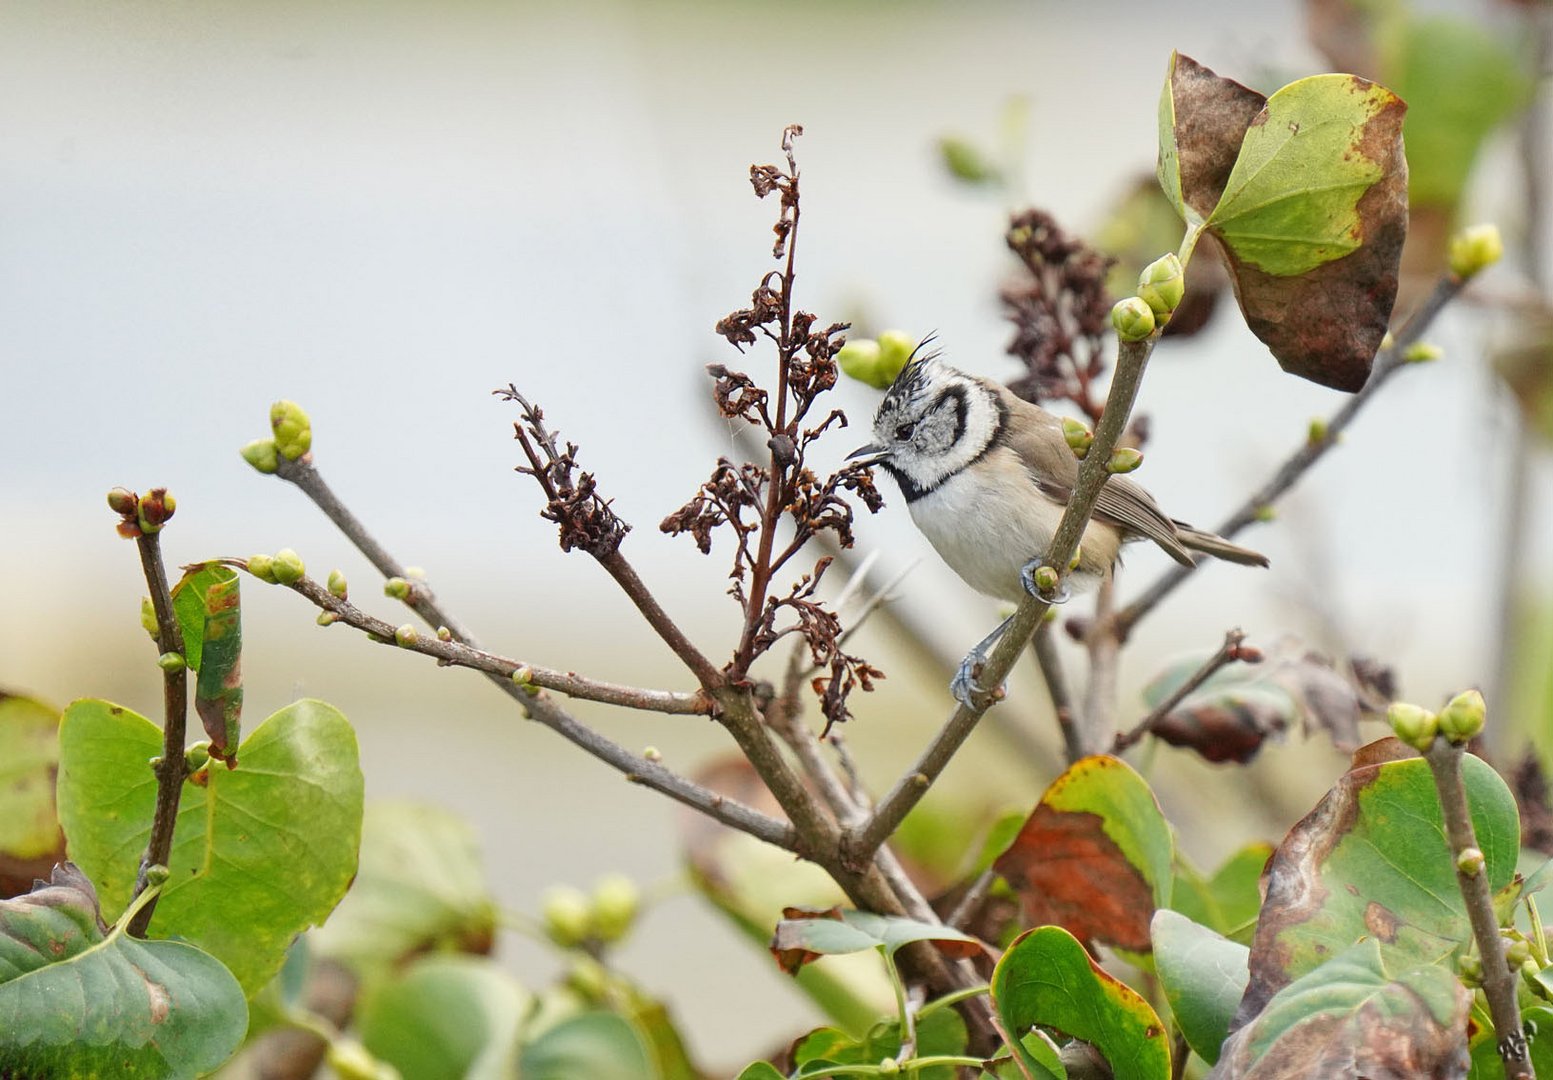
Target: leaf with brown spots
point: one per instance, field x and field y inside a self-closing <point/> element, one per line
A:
<point x="1095" y="855"/>
<point x="1371" y="863"/>
<point x="151" y="1008"/>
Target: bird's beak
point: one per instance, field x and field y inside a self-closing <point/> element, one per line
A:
<point x="871" y="454"/>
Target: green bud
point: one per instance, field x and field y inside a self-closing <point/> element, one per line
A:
<point x="148" y="618"/>
<point x="524" y="677"/>
<point x="154" y="509"/>
<point x="588" y="979"/>
<point x="965" y="162"/>
<point x="293" y="430"/>
<point x="327" y="618"/>
<point x="444" y="634"/>
<point x="1266" y="512"/>
<point x="1078" y="557"/>
<point x="1529" y="972"/>
<point x="1161" y="286"/>
<point x="653" y="754"/>
<point x="1517" y="950"/>
<point x="1317" y="432"/>
<point x="895" y="348"/>
<point x="1470" y="970"/>
<point x="616" y="902"/>
<point x="407" y="636"/>
<point x="262" y="567"/>
<point x="396" y="588"/>
<point x="1413" y="725"/>
<point x="171" y="661"/>
<point x="337" y="586"/>
<point x="1124" y="459"/>
<point x="1463" y="717"/>
<point x="1474" y="249"/>
<point x="566" y="915"/>
<point x="889" y="1067"/>
<point x="1079" y="437"/>
<point x="157" y="874"/>
<point x="1133" y="319"/>
<point x="261" y="454"/>
<point x="1046" y="579"/>
<point x="288" y="567"/>
<point x="859" y="359"/>
<point x="123" y="501"/>
<point x="1421" y="352"/>
<point x="196" y="756"/>
<point x="1470" y="862"/>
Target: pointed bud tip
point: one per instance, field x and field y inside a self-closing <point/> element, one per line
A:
<point x="1133" y="319"/>
<point x="1124" y="459"/>
<point x="262" y="455"/>
<point x="338" y="587"/>
<point x="293" y="429"/>
<point x="1162" y="285"/>
<point x="1463" y="718"/>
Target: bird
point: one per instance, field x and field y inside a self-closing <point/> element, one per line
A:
<point x="987" y="475"/>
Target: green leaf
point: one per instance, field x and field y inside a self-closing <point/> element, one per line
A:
<point x="1202" y="119"/>
<point x="1204" y="976"/>
<point x="1372" y="861"/>
<point x="760" y="1070"/>
<point x="1227" y="902"/>
<point x="78" y="1000"/>
<point x="208" y="607"/>
<point x="445" y="1018"/>
<point x="806" y="934"/>
<point x="421" y="887"/>
<point x="1352" y="1017"/>
<point x="941" y="1032"/>
<point x="30" y="840"/>
<point x="1459" y="84"/>
<point x="1047" y="979"/>
<point x="1095" y="855"/>
<point x="598" y="1045"/>
<point x="259" y="854"/>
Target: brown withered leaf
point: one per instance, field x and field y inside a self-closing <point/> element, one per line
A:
<point x="1210" y="115"/>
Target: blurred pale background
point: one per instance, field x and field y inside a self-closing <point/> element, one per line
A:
<point x="386" y="210"/>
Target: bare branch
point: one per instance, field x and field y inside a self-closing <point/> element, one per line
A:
<point x="1044" y="646"/>
<point x="1228" y="653"/>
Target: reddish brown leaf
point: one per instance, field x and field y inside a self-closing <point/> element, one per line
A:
<point x="1211" y="117"/>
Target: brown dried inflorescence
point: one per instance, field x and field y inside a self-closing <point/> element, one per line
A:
<point x="585" y="518"/>
<point x="774" y="508"/>
<point x="1060" y="310"/>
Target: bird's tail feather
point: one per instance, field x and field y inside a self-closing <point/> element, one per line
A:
<point x="1218" y="547"/>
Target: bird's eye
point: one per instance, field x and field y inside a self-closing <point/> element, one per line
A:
<point x="903" y="432"/>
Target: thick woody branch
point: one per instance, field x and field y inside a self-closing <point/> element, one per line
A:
<point x="1499" y="982"/>
<point x="170" y="768"/>
<point x="1132" y="358"/>
<point x="1388" y="362"/>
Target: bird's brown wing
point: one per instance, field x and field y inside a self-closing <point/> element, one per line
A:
<point x="1036" y="436"/>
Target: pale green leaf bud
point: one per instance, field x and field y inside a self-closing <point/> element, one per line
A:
<point x="616" y="901"/>
<point x="567" y="915"/>
<point x="157" y="874"/>
<point x="1421" y="352"/>
<point x="890" y="1067"/>
<point x="1133" y="319"/>
<point x="1161" y="286"/>
<point x="262" y="567"/>
<point x="1317" y="432"/>
<point x="293" y="430"/>
<point x="1463" y="717"/>
<point x="327" y="618"/>
<point x="288" y="567"/>
<point x="396" y="588"/>
<point x="1470" y="862"/>
<point x="1079" y="437"/>
<point x="588" y="979"/>
<point x="195" y="757"/>
<point x="444" y="634"/>
<point x="261" y="454"/>
<point x="1046" y="579"/>
<point x="1266" y="512"/>
<point x="123" y="501"/>
<point x="653" y="754"/>
<point x="965" y="162"/>
<point x="337" y="586"/>
<point x="171" y="661"/>
<point x="148" y="618"/>
<point x="1469" y="969"/>
<point x="407" y="636"/>
<point x="1474" y="249"/>
<point x="1413" y="725"/>
<point x="524" y="677"/>
<point x="859" y="359"/>
<point x="1124" y="459"/>
<point x="1517" y="950"/>
<point x="154" y="510"/>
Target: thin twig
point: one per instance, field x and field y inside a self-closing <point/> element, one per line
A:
<point x="1132" y="358"/>
<point x="1100" y="697"/>
<point x="1228" y="653"/>
<point x="1044" y="646"/>
<point x="1499" y="982"/>
<point x="1388" y="362"/>
<point x="971" y="901"/>
<point x="170" y="768"/>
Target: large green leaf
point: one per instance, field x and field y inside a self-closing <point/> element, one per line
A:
<point x="259" y="854"/>
<point x="421" y="887"/>
<point x="30" y="840"/>
<point x="1204" y="976"/>
<point x="1352" y="1016"/>
<point x="1228" y="901"/>
<point x="207" y="603"/>
<point x="1095" y="855"/>
<point x="446" y="1018"/>
<point x="1372" y="861"/>
<point x="598" y="1045"/>
<point x="80" y="1000"/>
<point x="1047" y="979"/>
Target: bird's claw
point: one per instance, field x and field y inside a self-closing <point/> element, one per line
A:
<point x="1061" y="595"/>
<point x="964" y="686"/>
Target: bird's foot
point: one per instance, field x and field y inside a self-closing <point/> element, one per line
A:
<point x="1056" y="590"/>
<point x="964" y="686"/>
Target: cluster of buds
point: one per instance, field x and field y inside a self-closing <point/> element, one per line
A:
<point x="1160" y="289"/>
<point x="876" y="361"/>
<point x="574" y="920"/>
<point x="1474" y="249"/>
<point x="1459" y="722"/>
<point x="291" y="440"/>
<point x="285" y="567"/>
<point x="141" y="515"/>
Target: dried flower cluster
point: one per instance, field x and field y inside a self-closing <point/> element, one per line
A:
<point x="585" y="518"/>
<point x="1061" y="313"/>
<point x="782" y="496"/>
